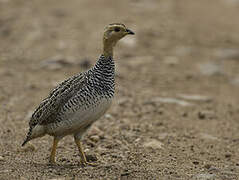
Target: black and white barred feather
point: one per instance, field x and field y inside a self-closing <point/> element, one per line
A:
<point x="83" y="90"/>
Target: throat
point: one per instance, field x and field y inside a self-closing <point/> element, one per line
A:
<point x="108" y="51"/>
<point x="108" y="48"/>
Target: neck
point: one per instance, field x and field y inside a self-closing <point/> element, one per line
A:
<point x="108" y="48"/>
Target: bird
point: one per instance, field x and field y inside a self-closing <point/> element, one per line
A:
<point x="76" y="103"/>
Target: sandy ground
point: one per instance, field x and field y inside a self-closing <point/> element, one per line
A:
<point x="175" y="114"/>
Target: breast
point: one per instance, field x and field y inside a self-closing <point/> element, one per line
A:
<point x="76" y="121"/>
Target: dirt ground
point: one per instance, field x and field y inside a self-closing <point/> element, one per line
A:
<point x="175" y="113"/>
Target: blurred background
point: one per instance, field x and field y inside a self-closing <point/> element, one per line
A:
<point x="175" y="114"/>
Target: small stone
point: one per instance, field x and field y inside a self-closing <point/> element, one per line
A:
<point x="162" y="136"/>
<point x="210" y="69"/>
<point x="172" y="101"/>
<point x="207" y="166"/>
<point x="171" y="60"/>
<point x="1" y="158"/>
<point x="207" y="136"/>
<point x="154" y="144"/>
<point x="206" y="114"/>
<point x="90" y="143"/>
<point x="123" y="101"/>
<point x="195" y="97"/>
<point x="23" y="178"/>
<point x="228" y="155"/>
<point x="101" y="150"/>
<point x="95" y="138"/>
<point x="126" y="172"/>
<point x="201" y="115"/>
<point x="91" y="157"/>
<point x="205" y="176"/>
<point x="195" y="162"/>
<point x="64" y="160"/>
<point x="185" y="114"/>
<point x="213" y="169"/>
<point x="137" y="140"/>
<point x="4" y="171"/>
<point x="108" y="116"/>
<point x="226" y="54"/>
<point x="87" y="150"/>
<point x="59" y="178"/>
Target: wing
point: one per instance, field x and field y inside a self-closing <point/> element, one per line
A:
<point x="50" y="106"/>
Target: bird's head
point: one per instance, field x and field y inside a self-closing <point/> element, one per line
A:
<point x="113" y="33"/>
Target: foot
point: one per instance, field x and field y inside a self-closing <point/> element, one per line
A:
<point x="52" y="162"/>
<point x="85" y="163"/>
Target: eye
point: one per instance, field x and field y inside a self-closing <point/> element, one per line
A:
<point x="117" y="29"/>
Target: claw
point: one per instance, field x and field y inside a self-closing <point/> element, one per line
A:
<point x="85" y="163"/>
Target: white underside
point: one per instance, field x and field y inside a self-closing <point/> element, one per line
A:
<point x="76" y="123"/>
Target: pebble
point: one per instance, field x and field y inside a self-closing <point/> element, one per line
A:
<point x="172" y="101"/>
<point x="205" y="176"/>
<point x="207" y="136"/>
<point x="227" y="53"/>
<point x="91" y="157"/>
<point x="171" y="60"/>
<point x="213" y="169"/>
<point x="195" y="97"/>
<point x="5" y="171"/>
<point x="123" y="101"/>
<point x="228" y="155"/>
<point x="195" y="162"/>
<point x="154" y="144"/>
<point x="210" y="69"/>
<point x="162" y="136"/>
<point x="1" y="158"/>
<point x="108" y="116"/>
<point x="23" y="178"/>
<point x="207" y="166"/>
<point x="95" y="138"/>
<point x="206" y="114"/>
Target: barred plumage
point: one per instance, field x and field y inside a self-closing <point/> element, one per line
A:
<point x="79" y="101"/>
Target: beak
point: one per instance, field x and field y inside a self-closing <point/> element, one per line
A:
<point x="130" y="32"/>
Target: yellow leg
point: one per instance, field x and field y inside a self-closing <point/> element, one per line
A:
<point x="53" y="151"/>
<point x="82" y="154"/>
